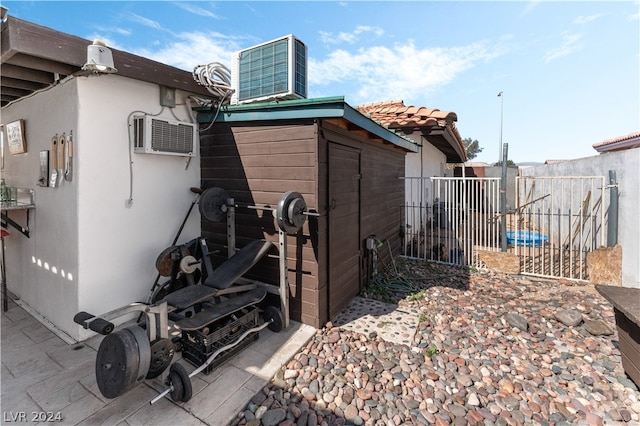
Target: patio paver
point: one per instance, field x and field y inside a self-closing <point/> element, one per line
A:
<point x="42" y="373"/>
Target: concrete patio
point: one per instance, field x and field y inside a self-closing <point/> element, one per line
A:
<point x="42" y="376"/>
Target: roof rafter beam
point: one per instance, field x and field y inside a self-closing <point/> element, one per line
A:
<point x="21" y="73"/>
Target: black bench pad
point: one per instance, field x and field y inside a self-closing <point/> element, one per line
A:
<point x="238" y="265"/>
<point x="222" y="277"/>
<point x="222" y="309"/>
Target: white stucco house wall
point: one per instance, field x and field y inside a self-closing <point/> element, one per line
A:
<point x="90" y="248"/>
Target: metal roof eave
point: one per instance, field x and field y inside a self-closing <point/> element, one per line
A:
<point x="330" y="107"/>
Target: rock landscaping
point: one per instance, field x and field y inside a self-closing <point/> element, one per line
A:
<point x="488" y="349"/>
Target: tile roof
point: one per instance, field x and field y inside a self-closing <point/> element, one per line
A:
<point x="396" y="115"/>
<point x="620" y="142"/>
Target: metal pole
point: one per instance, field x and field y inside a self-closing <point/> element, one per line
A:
<point x="612" y="224"/>
<point x="501" y="96"/>
<point x="503" y="199"/>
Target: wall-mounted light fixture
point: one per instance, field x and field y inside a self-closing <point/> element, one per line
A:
<point x="99" y="58"/>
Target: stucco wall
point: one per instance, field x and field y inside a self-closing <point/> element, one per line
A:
<point x="106" y="248"/>
<point x="428" y="162"/>
<point x="626" y="164"/>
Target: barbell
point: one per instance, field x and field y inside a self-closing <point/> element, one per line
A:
<point x="291" y="212"/>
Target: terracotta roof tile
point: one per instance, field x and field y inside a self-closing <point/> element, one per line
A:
<point x="618" y="139"/>
<point x="411" y="110"/>
<point x="395" y="114"/>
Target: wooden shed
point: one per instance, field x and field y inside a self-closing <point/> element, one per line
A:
<point x="346" y="166"/>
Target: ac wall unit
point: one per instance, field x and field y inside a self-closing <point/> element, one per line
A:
<point x="158" y="136"/>
<point x="276" y="69"/>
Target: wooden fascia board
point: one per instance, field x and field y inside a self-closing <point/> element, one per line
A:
<point x="22" y="37"/>
<point x="35" y="40"/>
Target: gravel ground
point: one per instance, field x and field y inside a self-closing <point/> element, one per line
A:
<point x="489" y="349"/>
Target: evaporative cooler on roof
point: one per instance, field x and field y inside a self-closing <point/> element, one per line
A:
<point x="276" y="69"/>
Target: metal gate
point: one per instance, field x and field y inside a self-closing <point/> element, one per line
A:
<point x="556" y="223"/>
<point x="447" y="219"/>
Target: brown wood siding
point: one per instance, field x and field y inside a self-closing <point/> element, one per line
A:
<point x="344" y="226"/>
<point x="381" y="189"/>
<point x="256" y="163"/>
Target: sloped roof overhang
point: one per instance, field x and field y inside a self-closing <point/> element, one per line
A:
<point x="437" y="127"/>
<point x="317" y="108"/>
<point x="617" y="144"/>
<point x="34" y="57"/>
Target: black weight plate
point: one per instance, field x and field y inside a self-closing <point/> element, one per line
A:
<point x="181" y="382"/>
<point x="117" y="363"/>
<point x="213" y="204"/>
<point x="287" y="220"/>
<point x="273" y="315"/>
<point x="144" y="350"/>
<point x="162" y="351"/>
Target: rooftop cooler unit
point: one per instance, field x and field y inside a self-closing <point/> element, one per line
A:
<point x="157" y="136"/>
<point x="276" y="69"/>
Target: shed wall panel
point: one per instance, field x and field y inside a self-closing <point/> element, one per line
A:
<point x="382" y="190"/>
<point x="256" y="164"/>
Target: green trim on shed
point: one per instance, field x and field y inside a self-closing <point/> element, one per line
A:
<point x="330" y="107"/>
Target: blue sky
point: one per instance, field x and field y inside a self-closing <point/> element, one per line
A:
<point x="569" y="71"/>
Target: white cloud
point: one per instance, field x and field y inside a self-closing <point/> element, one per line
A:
<point x="121" y="31"/>
<point x="581" y="20"/>
<point x="570" y="44"/>
<point x="145" y="21"/>
<point x="352" y="37"/>
<point x="197" y="10"/>
<point x="189" y="49"/>
<point x="114" y="30"/>
<point x="401" y="71"/>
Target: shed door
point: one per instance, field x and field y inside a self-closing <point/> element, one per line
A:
<point x="344" y="226"/>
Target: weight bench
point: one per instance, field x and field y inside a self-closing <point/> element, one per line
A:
<point x="218" y="283"/>
<point x="218" y="314"/>
<point x="221" y="278"/>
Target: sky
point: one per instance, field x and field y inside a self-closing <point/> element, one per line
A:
<point x="569" y="72"/>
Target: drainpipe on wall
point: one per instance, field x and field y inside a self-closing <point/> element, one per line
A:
<point x="612" y="224"/>
<point x="503" y="198"/>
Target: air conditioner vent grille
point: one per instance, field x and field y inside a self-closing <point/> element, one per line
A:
<point x="156" y="136"/>
<point x="170" y="137"/>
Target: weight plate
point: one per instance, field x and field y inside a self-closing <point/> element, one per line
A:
<point x="273" y="315"/>
<point x="296" y="210"/>
<point x="188" y="264"/>
<point x="144" y="350"/>
<point x="213" y="204"/>
<point x="117" y="363"/>
<point x="164" y="262"/>
<point x="162" y="351"/>
<point x="290" y="212"/>
<point x="181" y="382"/>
